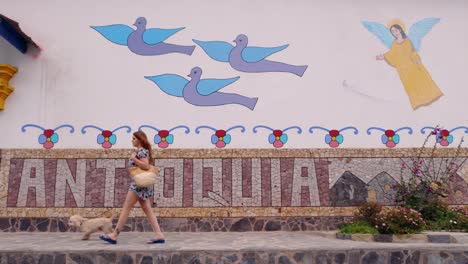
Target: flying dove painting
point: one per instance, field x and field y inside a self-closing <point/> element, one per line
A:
<point x="143" y="41"/>
<point x="403" y="56"/>
<point x="244" y="58"/>
<point x="201" y="92"/>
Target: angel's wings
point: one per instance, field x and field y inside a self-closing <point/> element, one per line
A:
<point x="416" y="33"/>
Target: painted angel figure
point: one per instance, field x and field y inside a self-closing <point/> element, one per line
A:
<point x="403" y="55"/>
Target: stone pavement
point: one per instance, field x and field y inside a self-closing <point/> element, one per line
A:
<point x="225" y="247"/>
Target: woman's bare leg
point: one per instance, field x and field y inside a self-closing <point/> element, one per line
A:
<point x="130" y="201"/>
<point x="146" y="206"/>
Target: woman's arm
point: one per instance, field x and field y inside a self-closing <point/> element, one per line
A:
<point x="142" y="163"/>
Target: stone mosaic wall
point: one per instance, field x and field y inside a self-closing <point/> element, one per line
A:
<point x="416" y="256"/>
<point x="210" y="183"/>
<point x="180" y="224"/>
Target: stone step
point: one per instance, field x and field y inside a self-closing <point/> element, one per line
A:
<point x="428" y="237"/>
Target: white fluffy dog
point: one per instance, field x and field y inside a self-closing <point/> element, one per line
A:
<point x="89" y="226"/>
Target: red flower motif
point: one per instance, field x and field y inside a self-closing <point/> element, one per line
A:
<point x="389" y="133"/>
<point x="220" y="133"/>
<point x="334" y="133"/>
<point x="48" y="132"/>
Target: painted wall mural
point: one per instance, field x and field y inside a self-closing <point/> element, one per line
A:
<point x="143" y="41"/>
<point x="403" y="55"/>
<point x="248" y="59"/>
<point x="201" y="92"/>
<point x="276" y="72"/>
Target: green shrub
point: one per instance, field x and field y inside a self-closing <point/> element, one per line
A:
<point x="434" y="211"/>
<point x="440" y="217"/>
<point x="369" y="213"/>
<point x="400" y="220"/>
<point x="358" y="227"/>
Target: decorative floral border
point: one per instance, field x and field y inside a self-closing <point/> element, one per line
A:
<point x="107" y="138"/>
<point x="221" y="137"/>
<point x="49" y="137"/>
<point x="164" y="137"/>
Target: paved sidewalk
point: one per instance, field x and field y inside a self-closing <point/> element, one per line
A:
<point x="186" y="247"/>
<point x="213" y="241"/>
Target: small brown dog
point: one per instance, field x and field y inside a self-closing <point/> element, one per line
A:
<point x="89" y="226"/>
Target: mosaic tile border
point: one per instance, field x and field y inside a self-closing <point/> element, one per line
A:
<point x="227" y="212"/>
<point x="185" y="212"/>
<point x="238" y="153"/>
<point x="6" y="155"/>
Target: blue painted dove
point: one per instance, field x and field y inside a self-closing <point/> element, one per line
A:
<point x="142" y="41"/>
<point x="248" y="59"/>
<point x="201" y="92"/>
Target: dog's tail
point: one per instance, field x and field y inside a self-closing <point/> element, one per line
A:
<point x="112" y="216"/>
<point x="106" y="214"/>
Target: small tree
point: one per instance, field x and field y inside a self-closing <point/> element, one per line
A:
<point x="428" y="181"/>
<point x="428" y="176"/>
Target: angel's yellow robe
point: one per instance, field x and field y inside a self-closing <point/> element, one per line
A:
<point x="419" y="86"/>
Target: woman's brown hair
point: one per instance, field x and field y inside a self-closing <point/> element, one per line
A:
<point x="141" y="136"/>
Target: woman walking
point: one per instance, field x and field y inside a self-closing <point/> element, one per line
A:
<point x="141" y="158"/>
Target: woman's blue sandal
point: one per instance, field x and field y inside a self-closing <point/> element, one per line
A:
<point x="157" y="241"/>
<point x="108" y="239"/>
